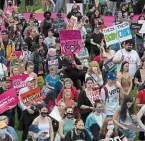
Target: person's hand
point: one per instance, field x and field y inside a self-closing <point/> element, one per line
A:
<point x="125" y="128"/>
<point x="11" y="107"/>
<point x="30" y="111"/>
<point x="117" y="84"/>
<point x="134" y="117"/>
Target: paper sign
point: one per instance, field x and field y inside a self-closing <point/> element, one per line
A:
<point x="32" y="95"/>
<point x="135" y="26"/>
<point x="70" y="5"/>
<point x="71" y="41"/>
<point x="72" y="23"/>
<point x="110" y="35"/>
<point x="109" y="65"/>
<point x="142" y="73"/>
<point x="123" y="31"/>
<point x="18" y="82"/>
<point x="55" y="114"/>
<point x="8" y="99"/>
<point x="142" y="30"/>
<point x="59" y="24"/>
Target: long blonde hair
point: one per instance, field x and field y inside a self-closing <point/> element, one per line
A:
<point x="64" y="92"/>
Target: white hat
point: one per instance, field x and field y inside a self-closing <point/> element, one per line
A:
<point x="28" y="79"/>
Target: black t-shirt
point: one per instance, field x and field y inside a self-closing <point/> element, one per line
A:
<point x="137" y="75"/>
<point x="29" y="41"/>
<point x="97" y="38"/>
<point x="72" y="136"/>
<point x="115" y="138"/>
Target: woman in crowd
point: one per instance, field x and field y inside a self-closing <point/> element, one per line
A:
<point x="118" y="18"/>
<point x="95" y="73"/>
<point x="3" y="69"/>
<point x="30" y="70"/>
<point x="126" y="114"/>
<point x="66" y="124"/>
<point x="125" y="79"/>
<point x="110" y="132"/>
<point x="14" y="71"/>
<point x="95" y="121"/>
<point x="44" y="123"/>
<point x="86" y="99"/>
<point x="137" y="76"/>
<point x="78" y="133"/>
<point x="83" y="56"/>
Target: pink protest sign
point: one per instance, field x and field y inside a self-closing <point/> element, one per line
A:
<point x="71" y="41"/>
<point x="18" y="82"/>
<point x="8" y="99"/>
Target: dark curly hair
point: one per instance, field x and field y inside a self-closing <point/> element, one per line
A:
<point x="47" y="12"/>
<point x="131" y="110"/>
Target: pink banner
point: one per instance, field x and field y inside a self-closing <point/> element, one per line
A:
<point x="71" y="41"/>
<point x="18" y="82"/>
<point x="8" y="99"/>
<point x="108" y="20"/>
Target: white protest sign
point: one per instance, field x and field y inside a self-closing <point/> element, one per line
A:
<point x="110" y="35"/>
<point x="142" y="30"/>
<point x="55" y="114"/>
<point x="124" y="32"/>
<point x="70" y="5"/>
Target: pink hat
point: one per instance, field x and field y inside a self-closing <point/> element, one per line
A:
<point x="52" y="52"/>
<point x="18" y="53"/>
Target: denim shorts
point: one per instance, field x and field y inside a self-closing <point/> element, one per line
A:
<point x="129" y="134"/>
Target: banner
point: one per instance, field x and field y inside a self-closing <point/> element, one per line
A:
<point x="59" y="24"/>
<point x="71" y="41"/>
<point x="110" y="35"/>
<point x="123" y="31"/>
<point x="8" y="99"/>
<point x="33" y="95"/>
<point x="70" y="5"/>
<point x="18" y="82"/>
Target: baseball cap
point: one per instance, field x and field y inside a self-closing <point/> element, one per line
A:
<point x="34" y="128"/>
<point x="111" y="76"/>
<point x="28" y="79"/>
<point x="6" y="78"/>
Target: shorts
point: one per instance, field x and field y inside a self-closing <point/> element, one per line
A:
<point x="29" y="2"/>
<point x="129" y="134"/>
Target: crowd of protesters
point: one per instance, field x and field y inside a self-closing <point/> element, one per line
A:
<point x="94" y="103"/>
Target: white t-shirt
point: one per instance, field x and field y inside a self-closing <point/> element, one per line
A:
<point x="99" y="119"/>
<point x="132" y="57"/>
<point x="112" y="100"/>
<point x="3" y="69"/>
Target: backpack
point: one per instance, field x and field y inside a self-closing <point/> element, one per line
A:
<point x="106" y="92"/>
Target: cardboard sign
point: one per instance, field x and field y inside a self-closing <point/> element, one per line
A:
<point x="109" y="65"/>
<point x="59" y="24"/>
<point x="142" y="30"/>
<point x="142" y="73"/>
<point x="123" y="31"/>
<point x="70" y="5"/>
<point x="135" y="26"/>
<point x="32" y="95"/>
<point x="72" y="23"/>
<point x="18" y="82"/>
<point x="8" y="99"/>
<point x="71" y="41"/>
<point x="110" y="35"/>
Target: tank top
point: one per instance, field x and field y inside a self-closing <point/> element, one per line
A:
<point x="68" y="125"/>
<point x="45" y="127"/>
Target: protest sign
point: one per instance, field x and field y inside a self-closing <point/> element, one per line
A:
<point x="33" y="95"/>
<point x="109" y="65"/>
<point x="110" y="35"/>
<point x="135" y="26"/>
<point x="59" y="24"/>
<point x="72" y="23"/>
<point x="123" y="31"/>
<point x="18" y="82"/>
<point x="142" y="30"/>
<point x="142" y="73"/>
<point x="55" y="114"/>
<point x="70" y="5"/>
<point x="71" y="41"/>
<point x="8" y="99"/>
